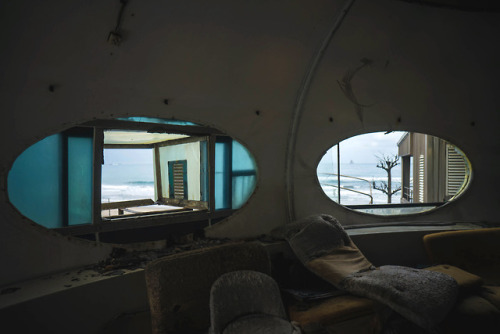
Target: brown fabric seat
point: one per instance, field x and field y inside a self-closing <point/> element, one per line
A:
<point x="465" y="280"/>
<point x="472" y="314"/>
<point x="476" y="251"/>
<point x="472" y="257"/>
<point x="333" y="310"/>
<point x="491" y="294"/>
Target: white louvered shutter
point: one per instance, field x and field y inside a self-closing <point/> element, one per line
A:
<point x="421" y="178"/>
<point x="456" y="170"/>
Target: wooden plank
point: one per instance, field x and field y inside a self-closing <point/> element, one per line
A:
<point x="129" y="146"/>
<point x="126" y="204"/>
<point x="185" y="203"/>
<point x="138" y="211"/>
<point x="181" y="141"/>
<point x="161" y="219"/>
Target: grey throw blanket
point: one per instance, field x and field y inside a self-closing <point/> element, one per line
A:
<point x="321" y="244"/>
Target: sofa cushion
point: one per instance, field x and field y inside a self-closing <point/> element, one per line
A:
<point x="472" y="314"/>
<point x="491" y="294"/>
<point x="321" y="245"/>
<point x="465" y="280"/>
<point x="332" y="310"/>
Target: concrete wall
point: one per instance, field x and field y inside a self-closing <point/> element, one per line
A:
<point x="431" y="70"/>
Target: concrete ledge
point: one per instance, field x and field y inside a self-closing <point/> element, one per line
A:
<point x="61" y="304"/>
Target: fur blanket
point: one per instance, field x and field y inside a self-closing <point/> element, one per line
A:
<point x="321" y="244"/>
<point x="422" y="296"/>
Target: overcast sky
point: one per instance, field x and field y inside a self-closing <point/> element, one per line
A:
<point x="128" y="156"/>
<point x="359" y="149"/>
<point x="364" y="148"/>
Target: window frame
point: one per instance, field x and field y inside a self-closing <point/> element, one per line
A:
<point x="426" y="206"/>
<point x="161" y="219"/>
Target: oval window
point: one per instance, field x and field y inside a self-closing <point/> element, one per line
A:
<point x="125" y="173"/>
<point x="393" y="173"/>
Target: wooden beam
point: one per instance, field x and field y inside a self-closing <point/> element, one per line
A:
<point x="180" y="141"/>
<point x="126" y="204"/>
<point x="185" y="203"/>
<point x="129" y="146"/>
<point x="160" y="219"/>
<point x="129" y="213"/>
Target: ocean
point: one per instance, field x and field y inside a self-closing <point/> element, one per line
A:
<point x="367" y="171"/>
<point x="123" y="182"/>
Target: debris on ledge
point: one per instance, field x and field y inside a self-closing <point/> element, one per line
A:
<point x="123" y="258"/>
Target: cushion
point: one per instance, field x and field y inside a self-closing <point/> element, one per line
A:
<point x="491" y="294"/>
<point x="333" y="310"/>
<point x="321" y="245"/>
<point x="465" y="280"/>
<point x="473" y="314"/>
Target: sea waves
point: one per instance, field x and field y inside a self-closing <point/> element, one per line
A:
<point x="128" y="191"/>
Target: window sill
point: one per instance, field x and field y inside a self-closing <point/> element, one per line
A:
<point x="405" y="227"/>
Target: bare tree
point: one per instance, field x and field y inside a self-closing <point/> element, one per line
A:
<point x="387" y="162"/>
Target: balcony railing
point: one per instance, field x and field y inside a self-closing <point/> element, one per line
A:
<point x="349" y="189"/>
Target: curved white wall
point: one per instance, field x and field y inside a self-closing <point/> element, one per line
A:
<point x="218" y="63"/>
<point x="433" y="71"/>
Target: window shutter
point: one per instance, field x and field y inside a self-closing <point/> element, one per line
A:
<point x="421" y="178"/>
<point x="456" y="170"/>
<point x="177" y="179"/>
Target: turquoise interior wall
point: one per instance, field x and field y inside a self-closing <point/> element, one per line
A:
<point x="35" y="182"/>
<point x="244" y="175"/>
<point x="235" y="174"/>
<point x="80" y="154"/>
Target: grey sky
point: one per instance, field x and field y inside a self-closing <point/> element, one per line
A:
<point x="128" y="156"/>
<point x="359" y="149"/>
<point x="364" y="148"/>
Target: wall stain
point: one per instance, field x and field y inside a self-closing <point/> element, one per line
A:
<point x="346" y="87"/>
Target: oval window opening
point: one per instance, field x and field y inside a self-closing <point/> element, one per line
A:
<point x="394" y="173"/>
<point x="131" y="173"/>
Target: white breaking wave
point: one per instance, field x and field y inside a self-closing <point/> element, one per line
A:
<point x="118" y="193"/>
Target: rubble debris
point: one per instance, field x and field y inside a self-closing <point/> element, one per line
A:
<point x="121" y="258"/>
<point x="115" y="273"/>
